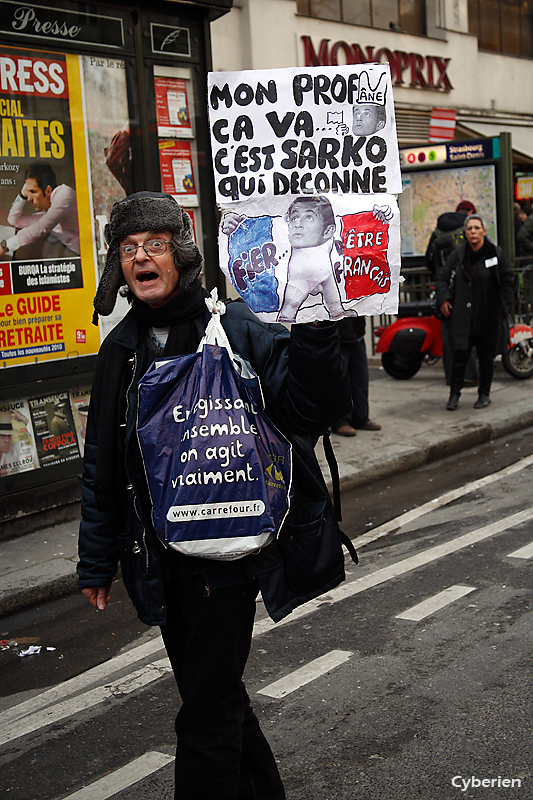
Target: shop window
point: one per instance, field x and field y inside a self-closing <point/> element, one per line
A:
<point x="490" y="25"/>
<point x="413" y="16"/>
<point x="385" y="14"/>
<point x="511" y="26"/>
<point x="527" y="29"/>
<point x="325" y="9"/>
<point x="503" y="26"/>
<point x="408" y="16"/>
<point x="358" y="13"/>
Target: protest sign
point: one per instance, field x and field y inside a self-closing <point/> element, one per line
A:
<point x="311" y="258"/>
<point x="303" y="130"/>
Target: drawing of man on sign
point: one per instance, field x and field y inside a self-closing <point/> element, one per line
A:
<point x="315" y="261"/>
<point x="313" y="257"/>
<point x="368" y="114"/>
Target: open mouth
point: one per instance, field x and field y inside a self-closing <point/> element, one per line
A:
<point x="144" y="277"/>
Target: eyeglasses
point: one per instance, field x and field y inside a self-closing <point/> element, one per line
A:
<point x="152" y="248"/>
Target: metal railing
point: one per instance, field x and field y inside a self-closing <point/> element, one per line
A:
<point x="523" y="269"/>
<point x="418" y="286"/>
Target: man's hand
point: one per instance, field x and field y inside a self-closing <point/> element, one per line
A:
<point x="24" y="192"/>
<point x="446" y="308"/>
<point x="98" y="596"/>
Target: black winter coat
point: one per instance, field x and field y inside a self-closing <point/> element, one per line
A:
<point x="306" y="390"/>
<point x="524" y="237"/>
<point x="480" y="298"/>
<point x="444" y="240"/>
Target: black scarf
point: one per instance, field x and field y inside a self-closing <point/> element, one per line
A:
<point x="186" y="315"/>
<point x="471" y="256"/>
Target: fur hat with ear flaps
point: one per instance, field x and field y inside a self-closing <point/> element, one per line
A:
<point x="146" y="211"/>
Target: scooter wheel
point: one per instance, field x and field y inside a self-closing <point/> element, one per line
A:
<point x="518" y="360"/>
<point x="401" y="365"/>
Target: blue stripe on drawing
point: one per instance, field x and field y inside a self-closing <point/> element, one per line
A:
<point x="252" y="259"/>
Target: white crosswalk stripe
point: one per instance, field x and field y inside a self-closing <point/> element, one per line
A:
<point x="435" y="603"/>
<point x="122" y="686"/>
<point x="123" y="778"/>
<point x="380" y="576"/>
<point x="523" y="552"/>
<point x="98" y="674"/>
<point x="443" y="500"/>
<point x="304" y="675"/>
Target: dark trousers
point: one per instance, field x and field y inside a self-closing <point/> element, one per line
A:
<point x="357" y="364"/>
<point x="221" y="751"/>
<point x="485" y="356"/>
<point x="447" y="356"/>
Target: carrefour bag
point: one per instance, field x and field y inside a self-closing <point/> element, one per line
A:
<point x="218" y="471"/>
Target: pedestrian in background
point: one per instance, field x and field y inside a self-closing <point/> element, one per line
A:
<point x="475" y="290"/>
<point x="447" y="237"/>
<point x="353" y="349"/>
<point x="523" y="230"/>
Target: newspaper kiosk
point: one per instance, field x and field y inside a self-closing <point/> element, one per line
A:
<point x="96" y="101"/>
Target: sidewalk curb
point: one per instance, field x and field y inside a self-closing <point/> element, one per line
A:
<point x="30" y="587"/>
<point x="419" y="456"/>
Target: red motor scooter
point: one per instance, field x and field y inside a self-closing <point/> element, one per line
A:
<point x="415" y="337"/>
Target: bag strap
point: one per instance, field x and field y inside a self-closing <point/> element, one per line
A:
<point x="334" y="471"/>
<point x="336" y="489"/>
<point x="214" y="332"/>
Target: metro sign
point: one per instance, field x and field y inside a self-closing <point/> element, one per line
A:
<point x="423" y="156"/>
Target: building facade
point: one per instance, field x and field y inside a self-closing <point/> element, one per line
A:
<point x="473" y="56"/>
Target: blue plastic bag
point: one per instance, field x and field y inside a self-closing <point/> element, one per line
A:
<point x="218" y="471"/>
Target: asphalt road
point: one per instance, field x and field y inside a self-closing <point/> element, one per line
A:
<point x="411" y="680"/>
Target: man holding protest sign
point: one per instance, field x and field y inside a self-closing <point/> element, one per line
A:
<point x="205" y="607"/>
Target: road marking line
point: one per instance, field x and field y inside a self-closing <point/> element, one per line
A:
<point x="123" y="778"/>
<point x="438" y="502"/>
<point x="79" y="682"/>
<point x="351" y="588"/>
<point x="309" y="672"/>
<point x="435" y="603"/>
<point x="523" y="552"/>
<point x="123" y="686"/>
